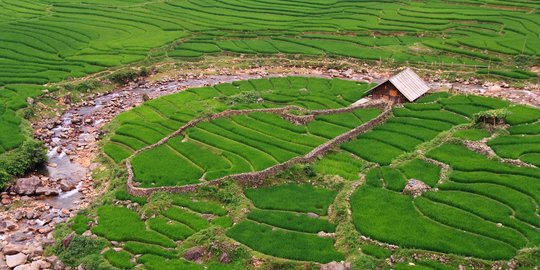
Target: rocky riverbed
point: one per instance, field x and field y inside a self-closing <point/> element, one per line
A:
<point x="38" y="202"/>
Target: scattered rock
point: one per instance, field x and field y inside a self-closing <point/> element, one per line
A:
<point x="8" y="225"/>
<point x="67" y="184"/>
<point x="11" y="249"/>
<point x="336" y="266"/>
<point x="326" y="235"/>
<point x="47" y="191"/>
<point x="27" y="186"/>
<point x="67" y="240"/>
<point x="415" y="187"/>
<point x="16" y="260"/>
<point x="224" y="259"/>
<point x="194" y="254"/>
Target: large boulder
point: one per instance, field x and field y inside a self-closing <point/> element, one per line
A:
<point x="12" y="249"/>
<point x="16" y="260"/>
<point x="27" y="186"/>
<point x="67" y="184"/>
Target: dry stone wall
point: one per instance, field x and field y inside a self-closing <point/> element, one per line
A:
<point x="256" y="178"/>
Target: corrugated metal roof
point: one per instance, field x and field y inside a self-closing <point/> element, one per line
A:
<point x="409" y="84"/>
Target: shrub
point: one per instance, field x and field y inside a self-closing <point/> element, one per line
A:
<point x="85" y="86"/>
<point x="128" y="75"/>
<point x="80" y="224"/>
<point x="29" y="156"/>
<point x="80" y="248"/>
<point x="5" y="178"/>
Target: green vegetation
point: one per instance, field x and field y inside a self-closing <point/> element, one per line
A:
<point x="81" y="250"/>
<point x="490" y="37"/>
<point x="160" y="117"/>
<point x="417" y="123"/>
<point x="122" y="195"/>
<point x="120" y="259"/>
<point x="279" y="230"/>
<point x="141" y="248"/>
<point x="301" y="198"/>
<point x="236" y="144"/>
<point x="421" y="170"/>
<point x="483" y="209"/>
<point x="291" y="221"/>
<point x="80" y="224"/>
<point x="122" y="224"/>
<point x="29" y="156"/>
<point x="153" y="262"/>
<point x="376" y="251"/>
<point x="400" y="223"/>
<point x="285" y="244"/>
<point x="340" y="163"/>
<point x="472" y="134"/>
<point x="524" y="140"/>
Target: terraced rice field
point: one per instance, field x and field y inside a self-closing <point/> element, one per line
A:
<point x="285" y="223"/>
<point x="252" y="142"/>
<point x="417" y="123"/>
<point x="152" y="242"/>
<point x="238" y="144"/>
<point x="523" y="141"/>
<point x="477" y="207"/>
<point x="485" y="209"/>
<point x="52" y="40"/>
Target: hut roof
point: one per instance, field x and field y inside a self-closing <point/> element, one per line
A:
<point x="408" y="83"/>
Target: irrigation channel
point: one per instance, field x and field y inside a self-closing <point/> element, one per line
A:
<point x="72" y="141"/>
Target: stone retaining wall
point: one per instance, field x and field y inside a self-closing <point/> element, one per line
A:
<point x="259" y="176"/>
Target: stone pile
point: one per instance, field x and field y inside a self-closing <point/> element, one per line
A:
<point x="415" y="188"/>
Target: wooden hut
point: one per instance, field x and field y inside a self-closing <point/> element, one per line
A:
<point x="405" y="86"/>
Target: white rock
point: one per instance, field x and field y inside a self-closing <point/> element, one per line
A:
<point x="16" y="260"/>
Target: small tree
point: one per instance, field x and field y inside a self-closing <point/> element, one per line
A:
<point x="493" y="117"/>
<point x="5" y="178"/>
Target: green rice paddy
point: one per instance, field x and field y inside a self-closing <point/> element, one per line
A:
<point x="52" y="40"/>
<point x="279" y="226"/>
<point x="478" y="210"/>
<point x="476" y="207"/>
<point x="155" y="238"/>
